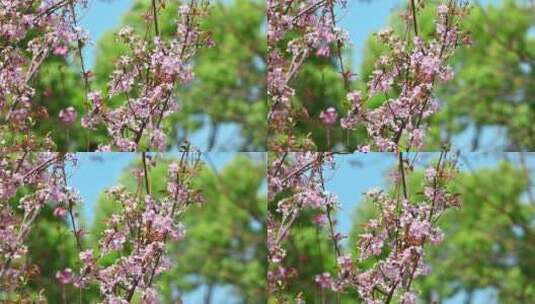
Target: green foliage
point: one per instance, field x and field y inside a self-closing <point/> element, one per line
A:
<point x="229" y="85"/>
<point x="494" y="78"/>
<point x="51" y="247"/>
<point x="58" y="85"/>
<point x="225" y="244"/>
<point x="489" y="243"/>
<point x="225" y="240"/>
<point x="319" y="85"/>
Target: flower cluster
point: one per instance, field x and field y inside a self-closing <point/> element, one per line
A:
<point x="404" y="75"/>
<point x="409" y="71"/>
<point x="314" y="23"/>
<point x="30" y="32"/>
<point x="147" y="77"/>
<point x="394" y="240"/>
<point x="138" y="233"/>
<point x="299" y="178"/>
<point x="32" y="181"/>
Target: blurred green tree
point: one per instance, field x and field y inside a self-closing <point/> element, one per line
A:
<point x="225" y="243"/>
<point x="493" y="88"/>
<point x="58" y="85"/>
<point x="318" y="85"/>
<point x="489" y="243"/>
<point x="229" y="86"/>
<point x="50" y="238"/>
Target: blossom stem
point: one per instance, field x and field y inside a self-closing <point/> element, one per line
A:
<point x="146" y="172"/>
<point x="402" y="172"/>
<point x="414" y="22"/>
<point x="155" y="16"/>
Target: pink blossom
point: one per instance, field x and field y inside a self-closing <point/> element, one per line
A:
<point x="364" y="149"/>
<point x="312" y="198"/>
<point x="320" y="219"/>
<point x="112" y="240"/>
<point x="419" y="229"/>
<point x="380" y="82"/>
<point x="96" y="99"/>
<point x="178" y="232"/>
<point x="60" y="212"/>
<point x="410" y="67"/>
<point x="409" y="298"/>
<point x="345" y="263"/>
<point x="323" y="51"/>
<point x="370" y="245"/>
<point x="65" y="276"/>
<point x="68" y="115"/>
<point x="442" y="9"/>
<point x="150" y="296"/>
<point x="355" y="97"/>
<point x="416" y="137"/>
<point x="86" y="256"/>
<point x="125" y="144"/>
<point x="324" y="280"/>
<point x="158" y="140"/>
<point x="430" y="173"/>
<point x="396" y="237"/>
<point x="61" y="50"/>
<point x="167" y="63"/>
<point x="173" y="168"/>
<point x="349" y="122"/>
<point x="328" y="117"/>
<point x="436" y="236"/>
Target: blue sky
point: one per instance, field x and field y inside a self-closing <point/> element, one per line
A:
<point x="360" y="19"/>
<point x="96" y="172"/>
<point x="99" y="17"/>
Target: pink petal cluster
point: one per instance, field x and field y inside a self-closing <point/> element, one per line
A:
<point x="405" y="75"/>
<point x="67" y="116"/>
<point x="299" y="175"/>
<point x="30" y="33"/>
<point x="317" y="34"/>
<point x="145" y="225"/>
<point x="147" y="78"/>
<point x="394" y="241"/>
<point x="42" y="175"/>
<point x="412" y="70"/>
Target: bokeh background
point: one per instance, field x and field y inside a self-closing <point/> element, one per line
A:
<point x="488" y="253"/>
<point x="488" y="106"/>
<point x="223" y="257"/>
<point x="223" y="109"/>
